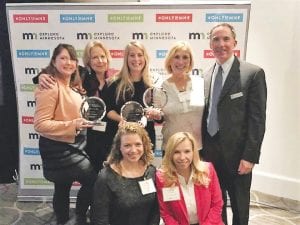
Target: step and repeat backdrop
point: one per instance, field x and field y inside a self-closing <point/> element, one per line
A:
<point x="36" y="29"/>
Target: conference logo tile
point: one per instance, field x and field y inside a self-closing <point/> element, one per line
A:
<point x="153" y="36"/>
<point x="33" y="53"/>
<point x="27" y="87"/>
<point x="31" y="151"/>
<point x="207" y="54"/>
<point x="77" y="18"/>
<point x="116" y="53"/>
<point x="224" y="17"/>
<point x="161" y="54"/>
<point x="43" y="181"/>
<point x="174" y="18"/>
<point x="97" y="36"/>
<point x="37" y="181"/>
<point x="30" y="18"/>
<point x="125" y="18"/>
<point x="49" y="36"/>
<point x="27" y="119"/>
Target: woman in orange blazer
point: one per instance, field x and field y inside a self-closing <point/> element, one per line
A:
<point x="188" y="189"/>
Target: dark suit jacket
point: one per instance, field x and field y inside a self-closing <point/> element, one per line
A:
<point x="241" y="113"/>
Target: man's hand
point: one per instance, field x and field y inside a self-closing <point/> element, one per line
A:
<point x="245" y="167"/>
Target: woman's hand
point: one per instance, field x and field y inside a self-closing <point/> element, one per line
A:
<point x="153" y="113"/>
<point x="82" y="124"/>
<point x="46" y="81"/>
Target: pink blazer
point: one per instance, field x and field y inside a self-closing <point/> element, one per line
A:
<point x="208" y="201"/>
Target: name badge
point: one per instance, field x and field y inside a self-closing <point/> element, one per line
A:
<point x="171" y="194"/>
<point x="100" y="127"/>
<point x="147" y="186"/>
<point x="236" y="95"/>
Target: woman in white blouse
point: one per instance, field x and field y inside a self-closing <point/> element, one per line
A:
<point x="184" y="109"/>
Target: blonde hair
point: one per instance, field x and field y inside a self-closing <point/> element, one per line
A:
<point x="179" y="46"/>
<point x="125" y="85"/>
<point x="168" y="168"/>
<point x="116" y="156"/>
<point x="86" y="58"/>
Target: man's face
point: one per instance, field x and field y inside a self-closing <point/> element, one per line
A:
<point x="222" y="43"/>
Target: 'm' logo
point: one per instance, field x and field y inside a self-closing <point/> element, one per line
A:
<point x="31" y="70"/>
<point x="35" y="166"/>
<point x="33" y="136"/>
<point x="197" y="72"/>
<point x="84" y="36"/>
<point x="198" y="36"/>
<point x="31" y="104"/>
<point x="29" y="36"/>
<point x="139" y="36"/>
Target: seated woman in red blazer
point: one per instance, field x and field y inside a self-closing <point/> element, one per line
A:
<point x="188" y="189"/>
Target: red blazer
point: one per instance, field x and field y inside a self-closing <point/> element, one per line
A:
<point x="209" y="203"/>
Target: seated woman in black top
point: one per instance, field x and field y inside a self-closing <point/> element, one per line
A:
<point x="124" y="193"/>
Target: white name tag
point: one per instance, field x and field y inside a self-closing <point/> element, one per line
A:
<point x="147" y="186"/>
<point x="197" y="92"/>
<point x="236" y="95"/>
<point x="100" y="127"/>
<point x="171" y="194"/>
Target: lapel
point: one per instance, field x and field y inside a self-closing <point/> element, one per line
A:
<point x="233" y="76"/>
<point x="207" y="84"/>
<point x="183" y="206"/>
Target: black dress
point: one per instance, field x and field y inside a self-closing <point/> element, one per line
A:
<point x="97" y="147"/>
<point x="113" y="104"/>
<point x="118" y="200"/>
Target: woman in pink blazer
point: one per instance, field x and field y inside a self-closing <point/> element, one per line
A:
<point x="188" y="189"/>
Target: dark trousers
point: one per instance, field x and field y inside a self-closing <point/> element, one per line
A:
<point x="82" y="172"/>
<point x="236" y="186"/>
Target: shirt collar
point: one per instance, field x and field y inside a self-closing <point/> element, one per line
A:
<point x="227" y="65"/>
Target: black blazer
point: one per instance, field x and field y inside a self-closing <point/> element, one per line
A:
<point x="241" y="112"/>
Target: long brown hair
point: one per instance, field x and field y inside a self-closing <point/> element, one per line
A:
<point x="75" y="81"/>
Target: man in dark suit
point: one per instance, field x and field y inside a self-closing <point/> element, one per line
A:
<point x="234" y="120"/>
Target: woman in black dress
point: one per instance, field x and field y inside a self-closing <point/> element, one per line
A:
<point x="129" y="85"/>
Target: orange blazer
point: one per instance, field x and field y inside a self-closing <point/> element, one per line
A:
<point x="209" y="203"/>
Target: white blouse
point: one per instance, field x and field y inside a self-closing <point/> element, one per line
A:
<point x="189" y="198"/>
<point x="183" y="111"/>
